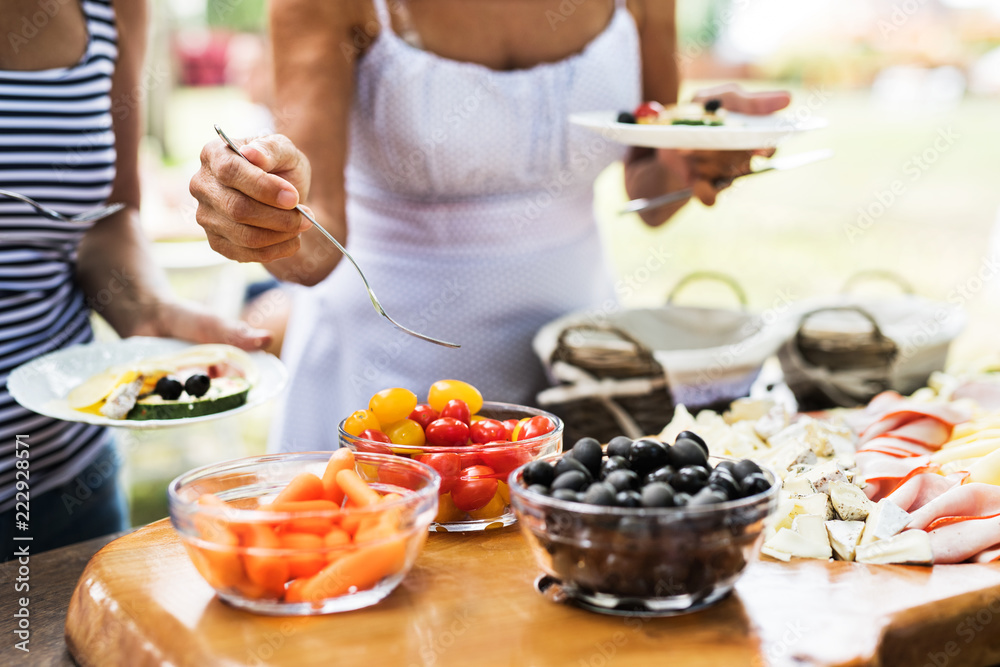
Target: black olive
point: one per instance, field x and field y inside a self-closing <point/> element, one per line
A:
<point x="647" y="455"/>
<point x="708" y="496"/>
<point x="691" y="435"/>
<point x="713" y="105"/>
<point x="600" y="493"/>
<point x="623" y="480"/>
<point x="564" y="494"/>
<point x="620" y="446"/>
<point x="197" y="385"/>
<point x="657" y="494"/>
<point x="568" y="463"/>
<point x="724" y="481"/>
<point x="574" y="480"/>
<point x="588" y="452"/>
<point x="540" y="489"/>
<point x="727" y="465"/>
<point x="626" y="117"/>
<point x="690" y="479"/>
<point x="539" y="472"/>
<point x="628" y="499"/>
<point x="681" y="499"/>
<point x="687" y="453"/>
<point x="754" y="483"/>
<point x="744" y="468"/>
<point x="168" y="388"/>
<point x="613" y="463"/>
<point x="664" y="474"/>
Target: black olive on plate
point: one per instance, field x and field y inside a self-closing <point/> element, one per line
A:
<point x="626" y="117"/>
<point x="620" y="446"/>
<point x="197" y="385"/>
<point x="539" y="472"/>
<point x="168" y="388"/>
<point x="713" y="105"/>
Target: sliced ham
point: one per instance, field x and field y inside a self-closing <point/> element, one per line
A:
<point x="897" y="447"/>
<point x="985" y="392"/>
<point x="967" y="500"/>
<point x="958" y="542"/>
<point x="920" y="490"/>
<point x="926" y="431"/>
<point x="987" y="556"/>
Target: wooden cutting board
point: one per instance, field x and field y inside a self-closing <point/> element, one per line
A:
<point x="470" y="600"/>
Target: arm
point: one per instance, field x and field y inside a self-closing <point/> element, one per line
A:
<point x="649" y="173"/>
<point x="114" y="264"/>
<point x="314" y="57"/>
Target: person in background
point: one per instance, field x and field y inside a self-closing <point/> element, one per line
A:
<point x="69" y="133"/>
<point x="432" y="137"/>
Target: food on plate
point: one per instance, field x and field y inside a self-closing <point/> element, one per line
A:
<point x="316" y="549"/>
<point x="473" y="445"/>
<point x="200" y="380"/>
<point x="710" y="113"/>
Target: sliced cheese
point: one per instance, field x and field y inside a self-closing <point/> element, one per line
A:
<point x="844" y="537"/>
<point x="99" y="387"/>
<point x="968" y="450"/>
<point x="795" y="545"/>
<point x="986" y="469"/>
<point x="885" y="520"/>
<point x="912" y="546"/>
<point x="850" y="502"/>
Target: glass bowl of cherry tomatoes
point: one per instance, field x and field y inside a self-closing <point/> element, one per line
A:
<point x="473" y="444"/>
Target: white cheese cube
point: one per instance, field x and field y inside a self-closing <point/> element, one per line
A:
<point x="798" y="485"/>
<point x="885" y="520"/>
<point x="844" y="537"/>
<point x="812" y="527"/>
<point x="787" y="541"/>
<point x="849" y="501"/>
<point x="816" y="503"/>
<point x="911" y="546"/>
<point x="823" y="474"/>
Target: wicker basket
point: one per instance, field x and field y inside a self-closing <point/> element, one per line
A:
<point x="827" y="369"/>
<point x="625" y="388"/>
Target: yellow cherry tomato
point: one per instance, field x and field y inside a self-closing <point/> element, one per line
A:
<point x="504" y="491"/>
<point x="443" y="391"/>
<point x="476" y="418"/>
<point x="516" y="433"/>
<point x="492" y="509"/>
<point x="392" y="405"/>
<point x="405" y="432"/>
<point x="447" y="512"/>
<point x="361" y="420"/>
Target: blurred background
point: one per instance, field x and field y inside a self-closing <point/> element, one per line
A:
<point x="911" y="90"/>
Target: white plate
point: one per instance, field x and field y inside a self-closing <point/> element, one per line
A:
<point x="750" y="132"/>
<point x="41" y="385"/>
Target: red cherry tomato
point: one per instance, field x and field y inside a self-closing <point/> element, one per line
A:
<point x="375" y="434"/>
<point x="509" y="426"/>
<point x="401" y="477"/>
<point x="504" y="461"/>
<point x="535" y="427"/>
<point x="448" y="465"/>
<point x="371" y="441"/>
<point x="648" y="110"/>
<point x="469" y="459"/>
<point x="487" y="430"/>
<point x="424" y="414"/>
<point x="458" y="409"/>
<point x="447" y="432"/>
<point x="474" y="488"/>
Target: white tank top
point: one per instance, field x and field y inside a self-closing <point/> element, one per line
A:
<point x="470" y="210"/>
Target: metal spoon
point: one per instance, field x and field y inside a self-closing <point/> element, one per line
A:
<point x="371" y="295"/>
<point x="52" y="214"/>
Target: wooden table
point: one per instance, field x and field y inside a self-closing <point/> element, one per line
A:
<point x="470" y="600"/>
<point x="52" y="578"/>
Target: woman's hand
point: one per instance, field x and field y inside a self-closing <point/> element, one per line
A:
<point x="710" y="172"/>
<point x="247" y="208"/>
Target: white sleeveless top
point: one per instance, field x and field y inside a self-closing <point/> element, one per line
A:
<point x="470" y="211"/>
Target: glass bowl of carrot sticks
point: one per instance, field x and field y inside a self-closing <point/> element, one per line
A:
<point x="305" y="533"/>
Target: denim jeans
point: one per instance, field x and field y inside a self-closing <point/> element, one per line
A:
<point x="90" y="505"/>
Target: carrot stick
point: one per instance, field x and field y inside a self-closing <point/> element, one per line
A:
<point x="342" y="459"/>
<point x="211" y="528"/>
<point x="302" y="506"/>
<point x="360" y="570"/>
<point x="294" y="591"/>
<point x="357" y="489"/>
<point x="309" y="558"/>
<point x="267" y="571"/>
<point x="306" y="486"/>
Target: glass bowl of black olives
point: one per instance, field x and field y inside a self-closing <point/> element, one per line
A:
<point x="643" y="527"/>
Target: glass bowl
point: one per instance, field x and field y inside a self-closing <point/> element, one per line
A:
<point x="481" y="509"/>
<point x="271" y="562"/>
<point x="642" y="561"/>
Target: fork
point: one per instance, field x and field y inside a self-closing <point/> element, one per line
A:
<point x="86" y="216"/>
<point x="371" y="294"/>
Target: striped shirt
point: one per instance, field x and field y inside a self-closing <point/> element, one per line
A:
<point x="57" y="147"/>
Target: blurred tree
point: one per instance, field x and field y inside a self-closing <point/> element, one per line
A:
<point x="236" y="15"/>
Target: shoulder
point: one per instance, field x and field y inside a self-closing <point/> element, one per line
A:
<point x="652" y="14"/>
<point x="130" y="15"/>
